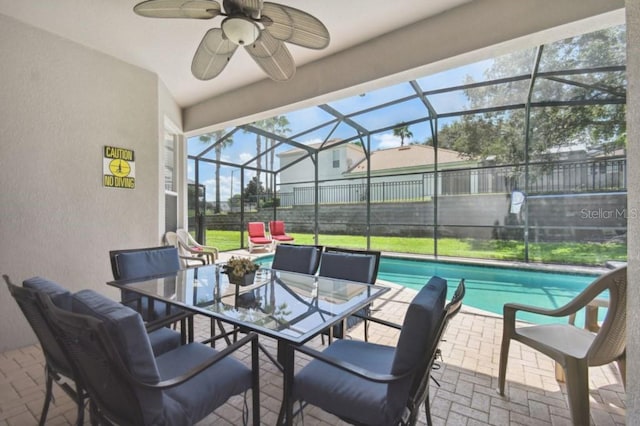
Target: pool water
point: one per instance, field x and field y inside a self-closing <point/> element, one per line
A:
<point x="489" y="287"/>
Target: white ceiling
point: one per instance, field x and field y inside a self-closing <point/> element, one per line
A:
<point x="166" y="46"/>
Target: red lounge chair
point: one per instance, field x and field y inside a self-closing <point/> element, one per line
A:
<point x="256" y="236"/>
<point x="278" y="234"/>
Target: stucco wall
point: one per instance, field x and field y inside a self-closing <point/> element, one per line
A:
<point x="587" y="217"/>
<point x="61" y="104"/>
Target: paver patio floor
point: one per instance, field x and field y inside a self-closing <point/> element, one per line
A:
<point x="467" y="377"/>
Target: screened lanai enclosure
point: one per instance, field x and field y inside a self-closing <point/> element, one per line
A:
<point x="518" y="157"/>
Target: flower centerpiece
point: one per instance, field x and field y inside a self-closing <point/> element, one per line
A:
<point x="241" y="270"/>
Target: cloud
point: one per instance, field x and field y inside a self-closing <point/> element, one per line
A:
<point x="245" y="156"/>
<point x="386" y="140"/>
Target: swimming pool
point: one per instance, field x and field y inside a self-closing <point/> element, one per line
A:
<point x="489" y="287"/>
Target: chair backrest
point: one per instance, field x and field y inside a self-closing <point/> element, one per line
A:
<point x="347" y="264"/>
<point x="109" y="344"/>
<point x="255" y="229"/>
<point x="611" y="340"/>
<point x="185" y="237"/>
<point x="143" y="262"/>
<point x="26" y="297"/>
<point x="418" y="339"/>
<point x="276" y="227"/>
<point x="174" y="240"/>
<point x="297" y="258"/>
<point x="420" y="386"/>
<point x="454" y="306"/>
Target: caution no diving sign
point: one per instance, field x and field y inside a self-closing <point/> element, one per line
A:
<point x="118" y="168"/>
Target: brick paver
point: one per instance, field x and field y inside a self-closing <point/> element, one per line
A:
<point x="468" y="377"/>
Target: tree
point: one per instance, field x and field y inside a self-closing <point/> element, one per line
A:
<point x="500" y="135"/>
<point x="278" y="125"/>
<point x="216" y="136"/>
<point x="253" y="190"/>
<point x="260" y="124"/>
<point x="402" y="131"/>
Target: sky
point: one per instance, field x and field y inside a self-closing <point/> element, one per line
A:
<point x="243" y="147"/>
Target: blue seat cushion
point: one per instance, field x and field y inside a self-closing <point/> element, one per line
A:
<point x="127" y="331"/>
<point x="301" y="259"/>
<point x="347" y="266"/>
<point x="419" y="333"/>
<point x="210" y="389"/>
<point x="163" y="340"/>
<point x="60" y="296"/>
<point x="146" y="263"/>
<point x="352" y="267"/>
<point x="366" y="402"/>
<point x="346" y="395"/>
<point x="421" y="322"/>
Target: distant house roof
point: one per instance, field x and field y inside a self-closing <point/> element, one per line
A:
<point x="407" y="157"/>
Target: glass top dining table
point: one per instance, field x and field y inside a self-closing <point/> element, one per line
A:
<point x="285" y="305"/>
<point x="290" y="307"/>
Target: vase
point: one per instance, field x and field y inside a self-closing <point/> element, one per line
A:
<point x="246" y="279"/>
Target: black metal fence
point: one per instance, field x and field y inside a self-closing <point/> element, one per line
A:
<point x="544" y="178"/>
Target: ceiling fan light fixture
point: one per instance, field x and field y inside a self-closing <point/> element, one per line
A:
<point x="240" y="30"/>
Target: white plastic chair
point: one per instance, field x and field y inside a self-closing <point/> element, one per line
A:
<point x="574" y="348"/>
<point x="196" y="248"/>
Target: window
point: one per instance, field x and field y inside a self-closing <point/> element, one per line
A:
<point x="170" y="183"/>
<point x="336" y="158"/>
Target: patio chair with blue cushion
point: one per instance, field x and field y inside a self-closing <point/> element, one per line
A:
<point x="372" y="384"/>
<point x="58" y="367"/>
<point x="135" y="263"/>
<point x="574" y="349"/>
<point x="353" y="265"/>
<point x="297" y="258"/>
<point x="127" y="384"/>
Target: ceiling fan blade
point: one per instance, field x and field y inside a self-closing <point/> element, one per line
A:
<point x="273" y="57"/>
<point x="247" y="7"/>
<point x="193" y="9"/>
<point x="294" y="26"/>
<point x="212" y="55"/>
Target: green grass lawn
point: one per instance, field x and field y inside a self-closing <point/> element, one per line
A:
<point x="595" y="254"/>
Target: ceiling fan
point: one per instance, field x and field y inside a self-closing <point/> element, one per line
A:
<point x="261" y="27"/>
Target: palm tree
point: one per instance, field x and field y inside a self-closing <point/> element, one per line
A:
<point x="402" y="131"/>
<point x="260" y="124"/>
<point x="216" y="136"/>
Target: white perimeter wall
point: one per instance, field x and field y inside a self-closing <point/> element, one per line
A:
<point x="60" y="103"/>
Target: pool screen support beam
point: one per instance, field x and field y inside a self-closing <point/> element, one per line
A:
<point x="527" y="128"/>
<point x="316" y="206"/>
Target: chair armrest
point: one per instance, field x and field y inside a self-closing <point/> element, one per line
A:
<point x="378" y="320"/>
<point x="166" y="320"/>
<point x="572" y="307"/>
<point x="351" y="368"/>
<point x="197" y="259"/>
<point x="210" y="248"/>
<point x="178" y="380"/>
<point x="191" y="250"/>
